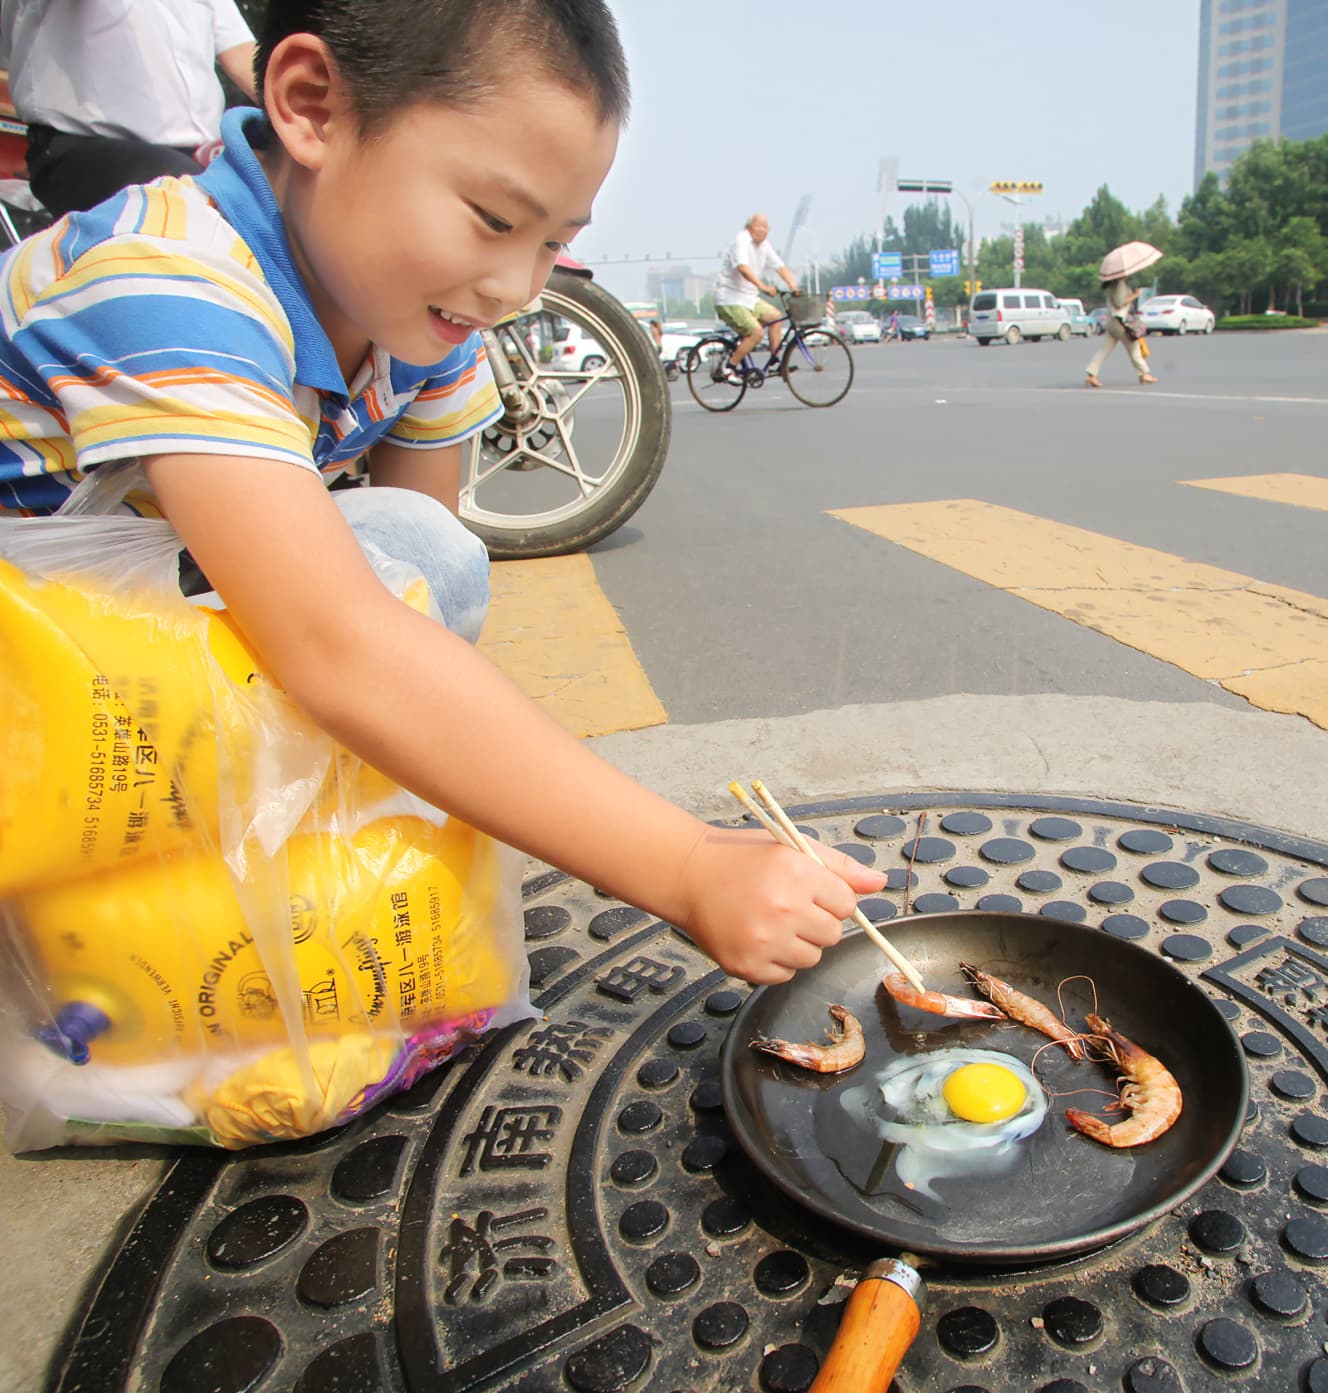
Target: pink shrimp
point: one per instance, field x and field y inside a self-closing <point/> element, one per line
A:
<point x="846" y="1046"/>
<point x="938" y="1003"/>
<point x="1148" y="1090"/>
<point x="1025" y="1009"/>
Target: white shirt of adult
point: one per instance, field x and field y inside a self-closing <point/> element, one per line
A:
<point x="144" y="68"/>
<point x="760" y="258"/>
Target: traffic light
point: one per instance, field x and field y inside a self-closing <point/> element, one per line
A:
<point x="1007" y="186"/>
<point x="967" y="291"/>
<point x="972" y="287"/>
<point x="929" y="292"/>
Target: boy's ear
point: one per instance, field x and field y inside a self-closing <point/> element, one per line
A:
<point x="304" y="96"/>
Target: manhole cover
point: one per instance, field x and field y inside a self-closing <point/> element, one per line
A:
<point x="565" y="1208"/>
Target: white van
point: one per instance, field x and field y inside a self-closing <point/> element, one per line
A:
<point x="1016" y="314"/>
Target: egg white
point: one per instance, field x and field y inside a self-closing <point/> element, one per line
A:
<point x="933" y="1143"/>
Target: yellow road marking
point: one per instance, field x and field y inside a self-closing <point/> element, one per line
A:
<point x="1299" y="490"/>
<point x="553" y="631"/>
<point x="1263" y="642"/>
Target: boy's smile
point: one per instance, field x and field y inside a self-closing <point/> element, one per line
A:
<point x="441" y="220"/>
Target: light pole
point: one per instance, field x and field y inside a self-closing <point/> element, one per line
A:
<point x="1008" y="189"/>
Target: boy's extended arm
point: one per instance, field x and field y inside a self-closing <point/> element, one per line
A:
<point x="427" y="709"/>
<point x="435" y="472"/>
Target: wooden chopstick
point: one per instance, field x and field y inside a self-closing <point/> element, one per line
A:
<point x="781" y="828"/>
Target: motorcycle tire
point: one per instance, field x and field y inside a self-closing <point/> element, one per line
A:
<point x="588" y="447"/>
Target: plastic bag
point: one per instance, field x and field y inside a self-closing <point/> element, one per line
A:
<point x="218" y="926"/>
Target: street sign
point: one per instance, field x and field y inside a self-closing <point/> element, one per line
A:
<point x="887" y="264"/>
<point x="1019" y="263"/>
<point x="850" y="292"/>
<point x="924" y="185"/>
<point x="905" y="292"/>
<point x="878" y="290"/>
<point x="943" y="263"/>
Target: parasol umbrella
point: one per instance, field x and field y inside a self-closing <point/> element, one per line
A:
<point x="1128" y="260"/>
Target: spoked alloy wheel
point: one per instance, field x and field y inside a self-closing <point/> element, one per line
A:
<point x="819" y="368"/>
<point x="707" y="358"/>
<point x="575" y="453"/>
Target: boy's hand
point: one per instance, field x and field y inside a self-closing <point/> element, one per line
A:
<point x="762" y="911"/>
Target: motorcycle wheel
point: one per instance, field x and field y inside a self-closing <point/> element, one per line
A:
<point x="581" y="451"/>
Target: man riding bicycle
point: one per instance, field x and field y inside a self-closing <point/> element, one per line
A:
<point x="743" y="274"/>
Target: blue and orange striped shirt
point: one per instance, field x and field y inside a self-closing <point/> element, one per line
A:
<point x="172" y="319"/>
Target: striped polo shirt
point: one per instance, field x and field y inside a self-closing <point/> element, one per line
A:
<point x="171" y="319"/>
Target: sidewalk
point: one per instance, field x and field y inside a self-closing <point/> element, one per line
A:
<point x="62" y="1211"/>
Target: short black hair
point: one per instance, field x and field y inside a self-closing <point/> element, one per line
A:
<point x="454" y="52"/>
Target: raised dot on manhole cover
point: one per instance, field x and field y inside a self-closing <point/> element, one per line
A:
<point x="641" y="1116"/>
<point x="967" y="1331"/>
<point x="686" y="1035"/>
<point x="546" y="921"/>
<point x="633" y="1168"/>
<point x="1169" y="875"/>
<point x="1261" y="1044"/>
<point x="1228" y="1344"/>
<point x="1063" y="1385"/>
<point x="1309" y="1129"/>
<point x="1088" y="860"/>
<point x="658" y="1073"/>
<point x="1243" y="1169"/>
<point x="1064" y="909"/>
<point x="1187" y="948"/>
<point x="723" y="1003"/>
<point x="369" y="1170"/>
<point x="1152" y="1374"/>
<point x="1232" y="860"/>
<point x="1144" y="841"/>
<point x="1001" y="904"/>
<point x="609" y="923"/>
<point x="1280" y="1294"/>
<point x="349" y="1366"/>
<point x="1055" y="829"/>
<point x="1216" y="1231"/>
<point x="1228" y="1010"/>
<point x="1161" y="1286"/>
<point x="935" y="903"/>
<point x="642" y="1221"/>
<point x="778" y="1274"/>
<point x="900" y="878"/>
<point x="229" y="1357"/>
<point x="610" y="1364"/>
<point x="707" y="1096"/>
<point x="1038" y="882"/>
<point x="672" y="1273"/>
<point x="1314" y="930"/>
<point x="344" y="1269"/>
<point x="1183" y="912"/>
<point x="1110" y="892"/>
<point x="725" y="1217"/>
<point x="966" y="824"/>
<point x="926" y="850"/>
<point x="1314" y="891"/>
<point x="1006" y="851"/>
<point x="966" y="877"/>
<point x="546" y="963"/>
<point x="1316" y="1377"/>
<point x="877" y="909"/>
<point x="1246" y="933"/>
<point x="702" y="1154"/>
<point x="720" y="1325"/>
<point x="788" y="1369"/>
<point x="1070" y="1321"/>
<point x="1307" y="1238"/>
<point x="256" y="1230"/>
<point x="1127" y="926"/>
<point x="1311" y="1184"/>
<point x="879" y="827"/>
<point x="1292" y="1085"/>
<point x="863" y="855"/>
<point x="1250" y="899"/>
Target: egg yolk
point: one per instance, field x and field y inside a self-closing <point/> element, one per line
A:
<point x="983" y="1093"/>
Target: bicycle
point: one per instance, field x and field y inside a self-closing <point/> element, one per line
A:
<point x="815" y="363"/>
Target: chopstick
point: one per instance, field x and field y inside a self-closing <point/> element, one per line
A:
<point x="781" y="828"/>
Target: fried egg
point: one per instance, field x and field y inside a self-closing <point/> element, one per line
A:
<point x="953" y="1112"/>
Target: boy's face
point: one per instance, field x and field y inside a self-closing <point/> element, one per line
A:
<point x="444" y="220"/>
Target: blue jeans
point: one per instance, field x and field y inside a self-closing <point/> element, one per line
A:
<point x="421" y="533"/>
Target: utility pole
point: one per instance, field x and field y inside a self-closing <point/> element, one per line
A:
<point x="886" y="178"/>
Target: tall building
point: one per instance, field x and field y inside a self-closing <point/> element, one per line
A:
<point x="1263" y="75"/>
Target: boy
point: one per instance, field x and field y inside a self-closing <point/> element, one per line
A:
<point x="418" y="168"/>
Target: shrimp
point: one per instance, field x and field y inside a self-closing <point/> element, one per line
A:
<point x="1148" y="1090"/>
<point x="938" y="1003"/>
<point x="1024" y="1009"/>
<point x="846" y="1048"/>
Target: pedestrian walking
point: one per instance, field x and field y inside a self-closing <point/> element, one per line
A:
<point x="1114" y="272"/>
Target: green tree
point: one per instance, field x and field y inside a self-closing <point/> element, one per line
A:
<point x="1300" y="258"/>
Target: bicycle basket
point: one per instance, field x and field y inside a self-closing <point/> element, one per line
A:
<point x="806" y="310"/>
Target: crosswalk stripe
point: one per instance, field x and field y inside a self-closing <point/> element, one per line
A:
<point x="1264" y="642"/>
<point x="1299" y="490"/>
<point x="552" y="630"/>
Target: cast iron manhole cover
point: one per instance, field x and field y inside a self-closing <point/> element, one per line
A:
<point x="565" y="1208"/>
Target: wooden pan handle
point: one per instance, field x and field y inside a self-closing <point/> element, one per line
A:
<point x="878" y="1326"/>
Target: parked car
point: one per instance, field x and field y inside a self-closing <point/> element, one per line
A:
<point x="911" y="327"/>
<point x="1016" y="314"/>
<point x="679" y="336"/>
<point x="1097" y="317"/>
<point x="858" y="326"/>
<point x="573" y="350"/>
<point x="1079" y="321"/>
<point x="1177" y="314"/>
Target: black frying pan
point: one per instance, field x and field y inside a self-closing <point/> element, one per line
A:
<point x="1067" y="1194"/>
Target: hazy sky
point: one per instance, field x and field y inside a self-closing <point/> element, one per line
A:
<point x="745" y="107"/>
